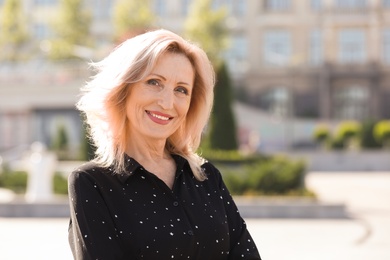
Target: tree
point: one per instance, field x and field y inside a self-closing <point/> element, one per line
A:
<point x="132" y="17"/>
<point x="72" y="28"/>
<point x="60" y="142"/>
<point x="207" y="27"/>
<point x="223" y="126"/>
<point x="87" y="149"/>
<point x="13" y="33"/>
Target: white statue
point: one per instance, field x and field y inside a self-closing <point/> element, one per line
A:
<point x="40" y="165"/>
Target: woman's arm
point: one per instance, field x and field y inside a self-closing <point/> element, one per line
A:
<point x="92" y="234"/>
<point x="242" y="245"/>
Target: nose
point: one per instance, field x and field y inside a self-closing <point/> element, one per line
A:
<point x="166" y="98"/>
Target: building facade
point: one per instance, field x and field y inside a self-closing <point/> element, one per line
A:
<point x="321" y="59"/>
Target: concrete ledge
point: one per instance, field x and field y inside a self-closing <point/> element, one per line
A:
<point x="19" y="208"/>
<point x="263" y="207"/>
<point x="249" y="208"/>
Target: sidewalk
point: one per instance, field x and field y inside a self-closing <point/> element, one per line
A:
<point x="366" y="236"/>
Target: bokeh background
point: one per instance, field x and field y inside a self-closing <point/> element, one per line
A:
<point x="300" y="128"/>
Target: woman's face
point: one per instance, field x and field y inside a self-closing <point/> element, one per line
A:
<point x="158" y="104"/>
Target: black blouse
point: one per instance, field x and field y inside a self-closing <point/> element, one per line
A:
<point x="135" y="215"/>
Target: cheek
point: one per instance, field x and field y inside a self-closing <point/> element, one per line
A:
<point x="183" y="107"/>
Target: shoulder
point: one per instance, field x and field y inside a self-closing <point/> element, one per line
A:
<point x="211" y="171"/>
<point x="88" y="171"/>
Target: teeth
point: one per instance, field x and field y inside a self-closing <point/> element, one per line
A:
<point x="159" y="117"/>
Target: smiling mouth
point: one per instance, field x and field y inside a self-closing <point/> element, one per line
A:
<point x="161" y="117"/>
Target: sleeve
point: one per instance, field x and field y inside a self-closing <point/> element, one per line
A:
<point x="92" y="233"/>
<point x="242" y="245"/>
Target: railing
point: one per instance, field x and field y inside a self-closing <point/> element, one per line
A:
<point x="43" y="73"/>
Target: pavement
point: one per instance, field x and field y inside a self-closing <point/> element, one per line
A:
<point x="364" y="235"/>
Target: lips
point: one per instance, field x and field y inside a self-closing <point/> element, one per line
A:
<point x="158" y="117"/>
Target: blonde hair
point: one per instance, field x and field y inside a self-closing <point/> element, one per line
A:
<point x="104" y="96"/>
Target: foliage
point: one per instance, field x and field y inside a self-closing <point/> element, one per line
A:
<point x="60" y="184"/>
<point x="274" y="176"/>
<point x="60" y="141"/>
<point x="367" y="139"/>
<point x="337" y="143"/>
<point x="321" y="133"/>
<point x="17" y="182"/>
<point x="72" y="28"/>
<point x="382" y="132"/>
<point x="230" y="157"/>
<point x="87" y="149"/>
<point x="13" y="33"/>
<point x="132" y="15"/>
<point x="348" y="129"/>
<point x="207" y="27"/>
<point x="347" y="135"/>
<point x="223" y="134"/>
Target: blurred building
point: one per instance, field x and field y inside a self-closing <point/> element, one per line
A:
<point x="318" y="59"/>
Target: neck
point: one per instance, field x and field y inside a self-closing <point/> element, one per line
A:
<point x="142" y="150"/>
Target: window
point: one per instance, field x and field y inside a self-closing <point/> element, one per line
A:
<point x="236" y="55"/>
<point x="277" y="47"/>
<point x="352" y="47"/>
<point x="316" y="48"/>
<point x="276" y="101"/>
<point x="386" y="46"/>
<point x="277" y="5"/>
<point x="352" y="103"/>
<point x="315" y="5"/>
<point x="351" y="4"/>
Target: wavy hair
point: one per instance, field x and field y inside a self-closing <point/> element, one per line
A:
<point x="103" y="98"/>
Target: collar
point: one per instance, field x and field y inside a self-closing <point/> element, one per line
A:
<point x="132" y="166"/>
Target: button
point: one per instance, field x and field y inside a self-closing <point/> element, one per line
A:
<point x="190" y="232"/>
<point x="175" y="203"/>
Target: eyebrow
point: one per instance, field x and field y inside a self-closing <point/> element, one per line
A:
<point x="162" y="77"/>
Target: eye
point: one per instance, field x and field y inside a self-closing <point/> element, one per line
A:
<point x="153" y="82"/>
<point x="182" y="90"/>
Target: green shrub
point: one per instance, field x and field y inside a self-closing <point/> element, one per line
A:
<point x="321" y="133"/>
<point x="367" y="138"/>
<point x="337" y="143"/>
<point x="60" y="184"/>
<point x="382" y="132"/>
<point x="229" y="156"/>
<point x="274" y="176"/>
<point x="348" y="132"/>
<point x="17" y="182"/>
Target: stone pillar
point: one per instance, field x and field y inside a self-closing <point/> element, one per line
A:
<point x="40" y="165"/>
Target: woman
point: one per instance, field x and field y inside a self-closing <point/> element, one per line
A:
<point x="148" y="195"/>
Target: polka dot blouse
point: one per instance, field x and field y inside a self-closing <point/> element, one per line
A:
<point x="135" y="215"/>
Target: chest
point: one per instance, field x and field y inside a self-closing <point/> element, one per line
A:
<point x="160" y="223"/>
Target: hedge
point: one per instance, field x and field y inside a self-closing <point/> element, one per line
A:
<point x="17" y="182"/>
<point x="274" y="176"/>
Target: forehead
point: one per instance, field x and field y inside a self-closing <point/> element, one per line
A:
<point x="173" y="63"/>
